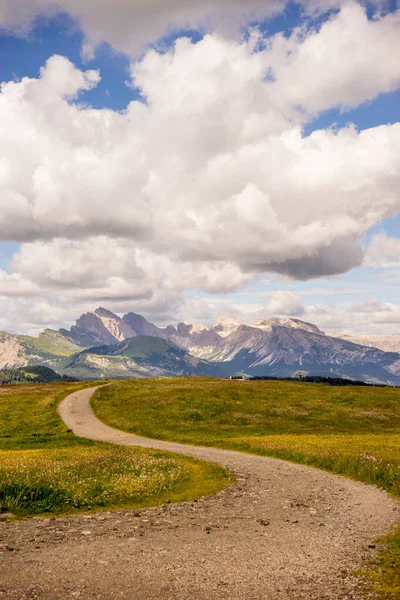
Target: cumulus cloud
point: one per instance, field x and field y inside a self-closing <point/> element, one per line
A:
<point x="114" y="271"/>
<point x="130" y="25"/>
<point x="383" y="251"/>
<point x="285" y="303"/>
<point x="81" y="265"/>
<point x="369" y="306"/>
<point x="370" y="316"/>
<point x="306" y="64"/>
<point x="210" y="180"/>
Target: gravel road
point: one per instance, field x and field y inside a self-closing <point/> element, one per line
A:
<point x="282" y="532"/>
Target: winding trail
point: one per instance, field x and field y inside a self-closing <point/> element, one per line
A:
<point x="283" y="532"/>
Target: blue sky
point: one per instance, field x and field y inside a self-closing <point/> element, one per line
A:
<point x="23" y="55"/>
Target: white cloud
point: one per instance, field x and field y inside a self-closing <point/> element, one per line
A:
<point x="79" y="265"/>
<point x="383" y="251"/>
<point x="110" y="271"/>
<point x="359" y="54"/>
<point x="130" y="25"/>
<point x="285" y="303"/>
<point x="369" y="306"/>
<point x="371" y="317"/>
<point x="209" y="183"/>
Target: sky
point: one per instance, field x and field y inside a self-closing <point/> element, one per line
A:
<point x="190" y="160"/>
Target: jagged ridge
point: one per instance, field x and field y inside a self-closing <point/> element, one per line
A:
<point x="278" y="347"/>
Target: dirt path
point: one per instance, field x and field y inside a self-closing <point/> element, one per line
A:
<point x="283" y="532"/>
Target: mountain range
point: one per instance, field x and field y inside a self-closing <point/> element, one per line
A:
<point x="102" y="344"/>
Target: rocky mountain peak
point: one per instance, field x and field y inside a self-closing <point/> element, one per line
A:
<point x="268" y="324"/>
<point x="198" y="328"/>
<point x="98" y="327"/>
<point x="140" y="325"/>
<point x="186" y="329"/>
<point x="104" y="313"/>
<point x="226" y="325"/>
<point x="296" y="324"/>
<point x="277" y="346"/>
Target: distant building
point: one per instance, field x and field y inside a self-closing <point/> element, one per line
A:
<point x="239" y="377"/>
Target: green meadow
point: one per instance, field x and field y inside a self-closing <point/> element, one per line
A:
<point x="351" y="431"/>
<point x="45" y="469"/>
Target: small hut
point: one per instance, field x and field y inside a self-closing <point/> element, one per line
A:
<point x="239" y="377"/>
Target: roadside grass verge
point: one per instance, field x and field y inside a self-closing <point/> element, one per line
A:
<point x="45" y="469"/>
<point x="99" y="477"/>
<point x="372" y="459"/>
<point x="353" y="432"/>
<point x="29" y="419"/>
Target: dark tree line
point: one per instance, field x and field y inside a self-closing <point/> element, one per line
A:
<point x="317" y="379"/>
<point x="34" y="374"/>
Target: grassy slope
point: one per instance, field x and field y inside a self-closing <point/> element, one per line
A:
<point x="52" y="343"/>
<point x="28" y="417"/>
<point x="351" y="431"/>
<point x="142" y="346"/>
<point x="45" y="468"/>
<point x="142" y="356"/>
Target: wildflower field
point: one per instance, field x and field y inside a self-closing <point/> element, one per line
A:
<point x="351" y="431"/>
<point x="44" y="468"/>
